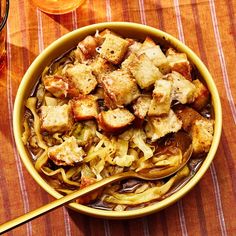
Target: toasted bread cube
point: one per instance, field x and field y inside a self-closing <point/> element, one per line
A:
<point x="144" y="71"/>
<point x="155" y="54"/>
<point x="179" y="62"/>
<point x="148" y="43"/>
<point x="88" y="46"/>
<point x="79" y="56"/>
<point x="188" y="116"/>
<point x="126" y="63"/>
<point x="115" y="120"/>
<point x="141" y="106"/>
<point x="158" y="127"/>
<point x="81" y="79"/>
<point x="134" y="46"/>
<point x="56" y="85"/>
<point x="120" y="87"/>
<point x="161" y="98"/>
<point x="84" y="107"/>
<point x="202" y="95"/>
<point x="56" y="118"/>
<point x="202" y="135"/>
<point x="106" y="32"/>
<point x="100" y="36"/>
<point x="108" y="102"/>
<point x="66" y="154"/>
<point x="101" y="66"/>
<point x="114" y="48"/>
<point x="51" y="101"/>
<point x="99" y="93"/>
<point x="182" y="89"/>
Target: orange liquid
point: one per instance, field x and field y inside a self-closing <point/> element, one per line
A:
<point x="57" y="6"/>
<point x="2" y="47"/>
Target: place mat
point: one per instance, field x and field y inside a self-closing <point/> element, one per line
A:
<point x="207" y="27"/>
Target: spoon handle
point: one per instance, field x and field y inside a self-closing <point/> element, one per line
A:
<point x="56" y="203"/>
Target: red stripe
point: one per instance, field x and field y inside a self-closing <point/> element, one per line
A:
<point x="160" y="17"/>
<point x="91" y="12"/>
<point x="26" y="61"/>
<point x="47" y="219"/>
<point x="3" y="182"/>
<point x="79" y="222"/>
<point x="230" y="161"/>
<point x="200" y="210"/>
<point x="198" y="30"/>
<point x="57" y="29"/>
<point x="164" y="222"/>
<point x="125" y="10"/>
<point x="232" y="21"/>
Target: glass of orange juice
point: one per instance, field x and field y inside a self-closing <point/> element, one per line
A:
<point x="57" y="6"/>
<point x="4" y="8"/>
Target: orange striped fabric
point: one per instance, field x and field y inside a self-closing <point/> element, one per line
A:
<point x="206" y="26"/>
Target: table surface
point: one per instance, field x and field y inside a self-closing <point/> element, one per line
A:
<point x="207" y="27"/>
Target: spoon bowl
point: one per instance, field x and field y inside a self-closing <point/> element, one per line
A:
<point x="182" y="141"/>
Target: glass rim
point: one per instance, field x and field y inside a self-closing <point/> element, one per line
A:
<point x="6" y="15"/>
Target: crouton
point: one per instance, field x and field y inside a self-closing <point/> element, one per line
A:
<point x="100" y="66"/>
<point x="81" y="80"/>
<point x="179" y="62"/>
<point x="148" y="43"/>
<point x="158" y="58"/>
<point x="182" y="89"/>
<point x="106" y="32"/>
<point x="108" y="102"/>
<point x="99" y="93"/>
<point x="51" y="101"/>
<point x="79" y="56"/>
<point x="141" y="106"/>
<point x="56" y="118"/>
<point x="66" y="154"/>
<point x="134" y="46"/>
<point x="187" y="115"/>
<point x="120" y="88"/>
<point x="202" y="135"/>
<point x="114" y="48"/>
<point x="115" y="120"/>
<point x="88" y="46"/>
<point x="202" y="95"/>
<point x="161" y="98"/>
<point x="84" y="107"/>
<point x="100" y="36"/>
<point x="200" y="128"/>
<point x="144" y="71"/>
<point x="155" y="54"/>
<point x="126" y="63"/>
<point x="158" y="127"/>
<point x="56" y="85"/>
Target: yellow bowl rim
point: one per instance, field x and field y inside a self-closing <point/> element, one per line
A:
<point x="151" y="208"/>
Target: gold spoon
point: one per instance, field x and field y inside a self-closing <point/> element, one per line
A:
<point x="183" y="142"/>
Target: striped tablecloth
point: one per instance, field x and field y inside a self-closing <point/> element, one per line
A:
<point x="209" y="28"/>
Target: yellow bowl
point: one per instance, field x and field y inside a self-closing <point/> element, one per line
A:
<point x="69" y="41"/>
